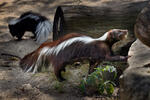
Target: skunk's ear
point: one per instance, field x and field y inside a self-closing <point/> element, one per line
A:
<point x="112" y="34"/>
<point x="123" y="34"/>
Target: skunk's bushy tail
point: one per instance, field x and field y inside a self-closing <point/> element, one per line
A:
<point x="43" y="29"/>
<point x="29" y="62"/>
<point x="32" y="61"/>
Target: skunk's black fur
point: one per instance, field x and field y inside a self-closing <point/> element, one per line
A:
<point x="39" y="25"/>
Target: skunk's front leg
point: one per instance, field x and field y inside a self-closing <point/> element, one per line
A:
<point x="116" y="58"/>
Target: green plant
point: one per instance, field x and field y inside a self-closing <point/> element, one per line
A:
<point x="98" y="80"/>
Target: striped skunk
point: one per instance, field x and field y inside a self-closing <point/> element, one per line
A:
<point x="39" y="25"/>
<point x="74" y="47"/>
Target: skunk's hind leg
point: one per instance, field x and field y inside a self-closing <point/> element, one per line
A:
<point x="57" y="71"/>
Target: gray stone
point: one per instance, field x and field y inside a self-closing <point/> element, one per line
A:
<point x="135" y="82"/>
<point x="142" y="26"/>
<point x="18" y="48"/>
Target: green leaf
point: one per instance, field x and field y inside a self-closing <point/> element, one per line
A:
<point x="106" y="82"/>
<point x="109" y="88"/>
<point x="82" y="86"/>
<point x="101" y="88"/>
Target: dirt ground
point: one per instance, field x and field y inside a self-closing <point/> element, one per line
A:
<point x="16" y="85"/>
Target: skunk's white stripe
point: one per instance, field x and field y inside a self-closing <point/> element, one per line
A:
<point x="84" y="39"/>
<point x="104" y="37"/>
<point x="33" y="16"/>
<point x="15" y="21"/>
<point x="43" y="30"/>
<point x="35" y="69"/>
<point x="30" y="69"/>
<point x="66" y="43"/>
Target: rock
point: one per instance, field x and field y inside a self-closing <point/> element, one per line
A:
<point x="122" y="47"/>
<point x="18" y="48"/>
<point x="142" y="26"/>
<point x="135" y="81"/>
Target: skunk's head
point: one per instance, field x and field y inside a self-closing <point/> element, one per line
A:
<point x="12" y="27"/>
<point x="12" y="30"/>
<point x="118" y="34"/>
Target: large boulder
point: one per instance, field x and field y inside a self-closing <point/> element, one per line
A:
<point x="135" y="82"/>
<point x="142" y="26"/>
